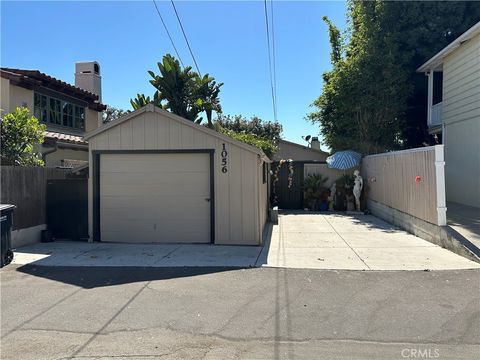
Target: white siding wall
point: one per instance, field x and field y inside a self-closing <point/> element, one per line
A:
<point x="238" y="218"/>
<point x="461" y="116"/>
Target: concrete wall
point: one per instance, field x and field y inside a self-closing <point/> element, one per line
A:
<point x="461" y="117"/>
<point x="297" y="152"/>
<point x="238" y="198"/>
<point x="410" y="181"/>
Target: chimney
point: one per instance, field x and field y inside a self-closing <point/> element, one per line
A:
<point x="87" y="77"/>
<point x="315" y="144"/>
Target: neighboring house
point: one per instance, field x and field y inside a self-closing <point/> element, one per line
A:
<point x="68" y="111"/>
<point x="157" y="177"/>
<point x="454" y="113"/>
<point x="297" y="152"/>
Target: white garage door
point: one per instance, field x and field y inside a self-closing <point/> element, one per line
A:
<point x="155" y="198"/>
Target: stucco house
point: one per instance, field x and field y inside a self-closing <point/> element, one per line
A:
<point x="454" y="113"/>
<point x="156" y="177"/>
<point x="68" y="111"/>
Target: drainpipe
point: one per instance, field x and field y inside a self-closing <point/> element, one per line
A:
<point x="51" y="151"/>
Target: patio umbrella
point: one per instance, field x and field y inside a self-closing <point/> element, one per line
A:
<point x="344" y="160"/>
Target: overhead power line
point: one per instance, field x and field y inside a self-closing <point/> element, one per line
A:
<point x="274" y="62"/>
<point x="168" y="33"/>
<point x="186" y="39"/>
<point x="270" y="62"/>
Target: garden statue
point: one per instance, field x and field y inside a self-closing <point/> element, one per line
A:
<point x="331" y="198"/>
<point x="357" y="188"/>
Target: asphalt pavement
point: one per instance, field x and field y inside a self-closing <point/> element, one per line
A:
<point x="222" y="313"/>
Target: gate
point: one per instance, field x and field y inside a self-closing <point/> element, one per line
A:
<point x="283" y="196"/>
<point x="67" y="208"/>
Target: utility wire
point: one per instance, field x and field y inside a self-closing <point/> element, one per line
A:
<point x="270" y="62"/>
<point x="185" y="36"/>
<point x="274" y="62"/>
<point x="168" y="33"/>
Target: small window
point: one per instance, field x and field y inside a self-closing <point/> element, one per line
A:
<point x="40" y="107"/>
<point x="67" y="114"/>
<point x="55" y="111"/>
<point x="264" y="172"/>
<point x="79" y="117"/>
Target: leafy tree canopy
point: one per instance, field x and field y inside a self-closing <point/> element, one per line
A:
<point x="373" y="100"/>
<point x="262" y="134"/>
<point x="19" y="134"/>
<point x="112" y="113"/>
<point x="263" y="129"/>
<point x="182" y="91"/>
<point x="267" y="146"/>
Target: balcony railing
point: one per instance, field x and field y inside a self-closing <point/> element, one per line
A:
<point x="436" y="115"/>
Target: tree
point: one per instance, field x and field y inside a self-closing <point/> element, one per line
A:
<point x="182" y="91"/>
<point x="141" y="100"/>
<point x="178" y="87"/>
<point x="112" y="113"/>
<point x="207" y="92"/>
<point x="373" y="100"/>
<point x="262" y="134"/>
<point x="363" y="99"/>
<point x="262" y="129"/>
<point x="19" y="134"/>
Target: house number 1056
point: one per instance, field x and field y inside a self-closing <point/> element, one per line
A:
<point x="224" y="155"/>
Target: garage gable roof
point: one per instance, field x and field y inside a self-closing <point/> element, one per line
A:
<point x="153" y="108"/>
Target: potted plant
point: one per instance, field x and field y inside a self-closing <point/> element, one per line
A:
<point x="313" y="190"/>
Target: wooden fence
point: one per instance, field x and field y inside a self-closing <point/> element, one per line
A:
<point x="411" y="181"/>
<point x="26" y="187"/>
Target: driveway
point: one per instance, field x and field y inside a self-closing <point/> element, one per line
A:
<point x="362" y="242"/>
<point x="300" y="240"/>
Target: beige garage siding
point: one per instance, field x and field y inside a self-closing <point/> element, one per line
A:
<point x="155" y="198"/>
<point x="237" y="212"/>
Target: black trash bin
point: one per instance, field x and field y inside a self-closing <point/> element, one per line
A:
<point x="6" y="217"/>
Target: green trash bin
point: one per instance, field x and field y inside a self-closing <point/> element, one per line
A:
<point x="6" y="219"/>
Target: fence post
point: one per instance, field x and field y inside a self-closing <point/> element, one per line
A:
<point x="440" y="181"/>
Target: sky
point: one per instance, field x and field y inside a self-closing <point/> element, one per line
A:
<point x="228" y="40"/>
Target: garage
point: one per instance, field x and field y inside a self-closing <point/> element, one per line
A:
<point x="155" y="197"/>
<point x="158" y="178"/>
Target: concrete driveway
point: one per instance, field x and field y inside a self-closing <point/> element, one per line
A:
<point x="300" y="240"/>
<point x="362" y="242"/>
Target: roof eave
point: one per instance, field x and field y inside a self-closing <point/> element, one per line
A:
<point x="437" y="59"/>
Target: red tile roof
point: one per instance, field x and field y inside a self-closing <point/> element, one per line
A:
<point x="73" y="139"/>
<point x="35" y="77"/>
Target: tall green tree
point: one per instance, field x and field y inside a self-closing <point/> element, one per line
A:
<point x="20" y="134"/>
<point x="361" y="106"/>
<point x="373" y="100"/>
